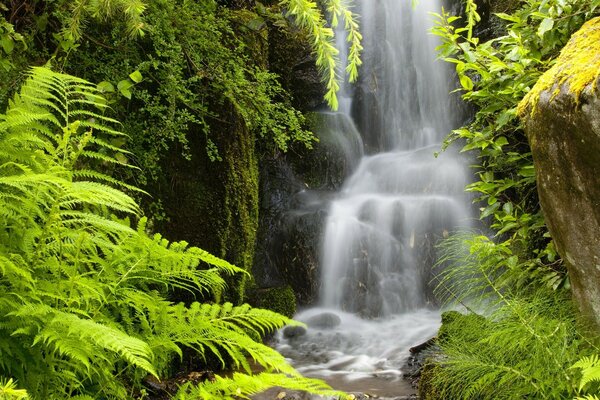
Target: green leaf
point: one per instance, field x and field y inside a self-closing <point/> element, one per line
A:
<point x="545" y="26"/>
<point x="7" y="44"/>
<point x="136" y="76"/>
<point x="106" y="87"/>
<point x="507" y="17"/>
<point x="466" y="82"/>
<point x="124" y="87"/>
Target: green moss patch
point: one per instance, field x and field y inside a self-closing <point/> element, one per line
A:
<point x="577" y="67"/>
<point x="279" y="299"/>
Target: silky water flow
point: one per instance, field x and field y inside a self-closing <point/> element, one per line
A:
<point x="378" y="241"/>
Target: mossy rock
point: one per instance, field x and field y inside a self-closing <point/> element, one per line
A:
<point x="561" y="115"/>
<point x="279" y="299"/>
<point x="453" y="323"/>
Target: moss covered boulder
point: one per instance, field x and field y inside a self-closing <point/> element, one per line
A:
<point x="562" y="120"/>
<point x="278" y="299"/>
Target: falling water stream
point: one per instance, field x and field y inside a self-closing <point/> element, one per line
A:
<point x="377" y="251"/>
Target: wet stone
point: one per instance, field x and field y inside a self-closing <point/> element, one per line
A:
<point x="324" y="321"/>
<point x="294" y="332"/>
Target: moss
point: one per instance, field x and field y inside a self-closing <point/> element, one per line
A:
<point x="238" y="236"/>
<point x="279" y="299"/>
<point x="578" y="66"/>
<point x="426" y="390"/>
<point x="252" y="29"/>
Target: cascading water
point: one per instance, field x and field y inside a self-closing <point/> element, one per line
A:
<point x="377" y="251"/>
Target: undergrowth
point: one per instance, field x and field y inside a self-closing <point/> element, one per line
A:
<point x="83" y="287"/>
<point x="527" y="341"/>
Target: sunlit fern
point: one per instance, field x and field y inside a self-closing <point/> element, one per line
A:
<point x="590" y="376"/>
<point x="83" y="295"/>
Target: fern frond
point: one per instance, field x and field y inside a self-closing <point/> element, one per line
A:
<point x="9" y="391"/>
<point x="243" y="386"/>
<point x="590" y="370"/>
<point x="64" y="332"/>
<point x="225" y="329"/>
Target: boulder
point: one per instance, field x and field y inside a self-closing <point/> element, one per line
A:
<point x="562" y="120"/>
<point x="293" y="331"/>
<point x="325" y="320"/>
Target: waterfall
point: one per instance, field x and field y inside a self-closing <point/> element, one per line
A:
<point x="399" y="198"/>
<point x="397" y="201"/>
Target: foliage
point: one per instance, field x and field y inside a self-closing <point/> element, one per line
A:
<point x="8" y="40"/>
<point x="83" y="307"/>
<point x="590" y="375"/>
<point x="9" y="391"/>
<point x="495" y="76"/>
<point x="190" y="82"/>
<point x="199" y="74"/>
<point x="524" y="346"/>
<point x="529" y="338"/>
<point x="198" y="64"/>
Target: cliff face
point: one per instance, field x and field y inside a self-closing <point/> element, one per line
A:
<point x="240" y="208"/>
<point x="562" y="120"/>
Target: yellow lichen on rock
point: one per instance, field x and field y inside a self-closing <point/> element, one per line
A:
<point x="577" y="66"/>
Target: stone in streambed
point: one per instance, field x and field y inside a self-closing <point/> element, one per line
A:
<point x="294" y="332"/>
<point x="324" y="321"/>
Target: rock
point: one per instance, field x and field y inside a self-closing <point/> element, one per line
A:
<point x="419" y="355"/>
<point x="324" y="321"/>
<point x="562" y="120"/>
<point x="293" y="332"/>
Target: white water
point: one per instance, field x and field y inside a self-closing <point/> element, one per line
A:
<point x="377" y="251"/>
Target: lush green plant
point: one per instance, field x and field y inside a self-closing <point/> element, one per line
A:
<point x="83" y="308"/>
<point x="525" y="345"/>
<point x="529" y="339"/>
<point x="494" y="77"/>
<point x="195" y="86"/>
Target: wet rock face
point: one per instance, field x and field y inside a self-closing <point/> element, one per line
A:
<point x="290" y="57"/>
<point x="290" y="231"/>
<point x="294" y="192"/>
<point x="563" y="125"/>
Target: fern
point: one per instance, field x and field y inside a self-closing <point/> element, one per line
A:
<point x="83" y="293"/>
<point x="9" y="391"/>
<point x="590" y="371"/>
